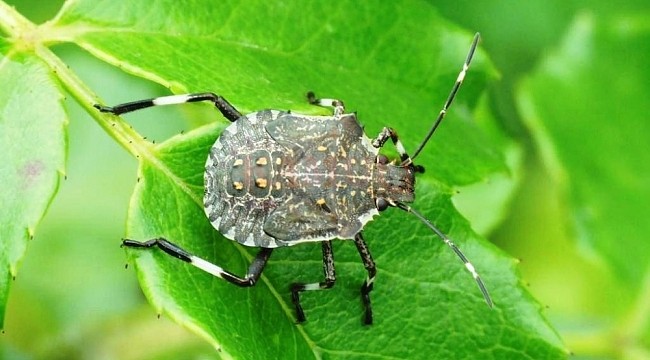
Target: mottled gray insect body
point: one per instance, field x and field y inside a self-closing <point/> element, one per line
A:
<point x="278" y="179"/>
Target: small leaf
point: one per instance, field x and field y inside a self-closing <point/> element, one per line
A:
<point x="33" y="144"/>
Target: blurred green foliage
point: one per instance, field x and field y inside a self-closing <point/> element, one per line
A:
<point x="573" y="94"/>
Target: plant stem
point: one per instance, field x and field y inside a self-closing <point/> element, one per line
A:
<point x="12" y="22"/>
<point x="113" y="125"/>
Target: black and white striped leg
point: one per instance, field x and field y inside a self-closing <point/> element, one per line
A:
<point x="389" y="133"/>
<point x="228" y="111"/>
<point x="367" y="286"/>
<point x="339" y="107"/>
<point x="330" y="279"/>
<point x="253" y="274"/>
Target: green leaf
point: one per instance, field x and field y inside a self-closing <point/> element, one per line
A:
<point x="424" y="299"/>
<point x="261" y="55"/>
<point x="33" y="144"/>
<point x="586" y="108"/>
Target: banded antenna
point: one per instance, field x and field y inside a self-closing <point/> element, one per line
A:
<point x="452" y="95"/>
<point x="409" y="161"/>
<point x="461" y="256"/>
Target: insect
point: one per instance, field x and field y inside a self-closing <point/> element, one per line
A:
<point x="275" y="179"/>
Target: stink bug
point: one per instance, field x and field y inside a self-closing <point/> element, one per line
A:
<point x="275" y="178"/>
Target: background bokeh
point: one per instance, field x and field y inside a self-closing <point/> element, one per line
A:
<point x="69" y="299"/>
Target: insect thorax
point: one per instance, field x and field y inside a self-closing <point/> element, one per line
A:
<point x="394" y="182"/>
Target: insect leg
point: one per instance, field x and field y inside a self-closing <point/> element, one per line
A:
<point x="228" y="111"/>
<point x="330" y="278"/>
<point x="367" y="286"/>
<point x="339" y="107"/>
<point x="389" y="133"/>
<point x="253" y="274"/>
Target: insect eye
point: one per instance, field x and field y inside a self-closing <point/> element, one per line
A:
<point x="381" y="204"/>
<point x="382" y="159"/>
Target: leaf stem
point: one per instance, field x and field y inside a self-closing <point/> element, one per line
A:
<point x="122" y="132"/>
<point x="12" y="22"/>
<point x="119" y="130"/>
